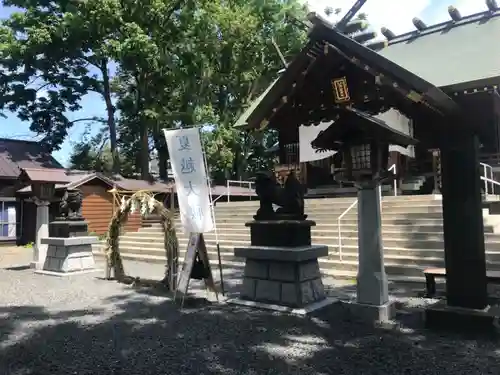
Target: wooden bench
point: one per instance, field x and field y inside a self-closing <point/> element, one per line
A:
<point x="432" y="273"/>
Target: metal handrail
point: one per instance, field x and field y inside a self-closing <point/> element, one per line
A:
<point x="240" y="182"/>
<point x="492" y="182"/>
<point x="488" y="179"/>
<point x="339" y="223"/>
<point x="395" y="183"/>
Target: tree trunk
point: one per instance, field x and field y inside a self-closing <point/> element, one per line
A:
<point x="110" y="109"/>
<point x="161" y="148"/>
<point x="144" y="152"/>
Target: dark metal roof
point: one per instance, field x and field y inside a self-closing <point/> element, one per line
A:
<point x="391" y="75"/>
<point x="51" y="175"/>
<point x="74" y="179"/>
<point x="17" y="154"/>
<point x="452" y="55"/>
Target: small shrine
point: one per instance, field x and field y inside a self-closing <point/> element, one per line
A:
<point x="335" y="79"/>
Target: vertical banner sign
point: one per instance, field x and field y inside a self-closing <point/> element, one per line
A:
<point x="188" y="167"/>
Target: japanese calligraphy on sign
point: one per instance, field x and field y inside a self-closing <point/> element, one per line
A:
<point x="188" y="167"/>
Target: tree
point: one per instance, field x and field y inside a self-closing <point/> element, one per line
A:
<point x="60" y="48"/>
<point x="219" y="58"/>
<point x="92" y="153"/>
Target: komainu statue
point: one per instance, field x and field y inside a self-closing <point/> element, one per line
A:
<point x="290" y="198"/>
<point x="70" y="207"/>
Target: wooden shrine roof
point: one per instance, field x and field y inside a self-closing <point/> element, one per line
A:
<point x="303" y="94"/>
<point x="453" y="55"/>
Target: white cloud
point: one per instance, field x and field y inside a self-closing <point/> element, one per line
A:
<point x="398" y="15"/>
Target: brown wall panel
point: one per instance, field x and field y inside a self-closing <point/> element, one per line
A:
<point x="97" y="209"/>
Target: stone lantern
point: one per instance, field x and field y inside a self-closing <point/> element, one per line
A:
<point x="363" y="143"/>
<point x="42" y="183"/>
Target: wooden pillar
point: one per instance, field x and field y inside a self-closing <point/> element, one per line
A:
<point x="436" y="171"/>
<point x="463" y="221"/>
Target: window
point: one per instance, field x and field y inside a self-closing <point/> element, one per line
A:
<point x="8" y="219"/>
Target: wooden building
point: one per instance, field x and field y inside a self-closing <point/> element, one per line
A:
<point x="97" y="207"/>
<point x="459" y="56"/>
<point x="15" y="155"/>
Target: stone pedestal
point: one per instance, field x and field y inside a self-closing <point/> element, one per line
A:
<point x="372" y="287"/>
<point x="69" y="256"/>
<point x="282" y="277"/>
<point x="69" y="249"/>
<point x="42" y="231"/>
<point x="68" y="228"/>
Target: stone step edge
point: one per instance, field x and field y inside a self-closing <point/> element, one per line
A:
<point x="183" y="241"/>
<point x="343" y="246"/>
<point x="326" y="261"/>
<point x="340" y="274"/>
<point x="226" y="237"/>
<point x="350" y="255"/>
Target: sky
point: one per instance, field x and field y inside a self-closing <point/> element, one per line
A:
<point x="396" y="15"/>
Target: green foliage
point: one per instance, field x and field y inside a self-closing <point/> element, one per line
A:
<point x="179" y="63"/>
<point x="219" y="58"/>
<point x="46" y="66"/>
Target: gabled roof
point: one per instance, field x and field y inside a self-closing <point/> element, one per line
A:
<point x="454" y="55"/>
<point x="53" y="175"/>
<point x="17" y="154"/>
<point x="325" y="40"/>
<point x="242" y="120"/>
<point x="74" y="179"/>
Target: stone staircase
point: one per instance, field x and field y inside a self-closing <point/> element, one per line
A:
<point x="412" y="236"/>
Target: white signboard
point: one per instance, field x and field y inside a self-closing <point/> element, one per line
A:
<point x="188" y="167"/>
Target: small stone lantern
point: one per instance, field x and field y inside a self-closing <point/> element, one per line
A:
<point x="363" y="141"/>
<point x="42" y="183"/>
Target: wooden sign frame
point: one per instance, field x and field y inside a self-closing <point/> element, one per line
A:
<point x="196" y="245"/>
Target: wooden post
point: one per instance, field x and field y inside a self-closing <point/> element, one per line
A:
<point x="463" y="222"/>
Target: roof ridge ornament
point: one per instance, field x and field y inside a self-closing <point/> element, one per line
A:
<point x="389" y="34"/>
<point x="492" y="5"/>
<point x="419" y="24"/>
<point x="454" y="13"/>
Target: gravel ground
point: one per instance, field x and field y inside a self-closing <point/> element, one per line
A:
<point x="84" y="325"/>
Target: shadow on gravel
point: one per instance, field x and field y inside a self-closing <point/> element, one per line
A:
<point x="145" y="335"/>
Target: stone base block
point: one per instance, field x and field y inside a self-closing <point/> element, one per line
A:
<point x="440" y="316"/>
<point x="302" y="311"/>
<point x="283" y="276"/>
<point x="372" y="313"/>
<point x="69" y="255"/>
<point x="68" y="228"/>
<point x="289" y="233"/>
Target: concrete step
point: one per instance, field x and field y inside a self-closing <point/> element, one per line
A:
<point x="331" y="214"/>
<point x="348" y="219"/>
<point x="335" y="273"/>
<point x="332" y="243"/>
<point x="331" y="209"/>
<point x="426" y="227"/>
<point x="332" y="231"/>
<point x="330" y="240"/>
<point x="406" y="266"/>
<point x="343" y="200"/>
<point x="424" y="252"/>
